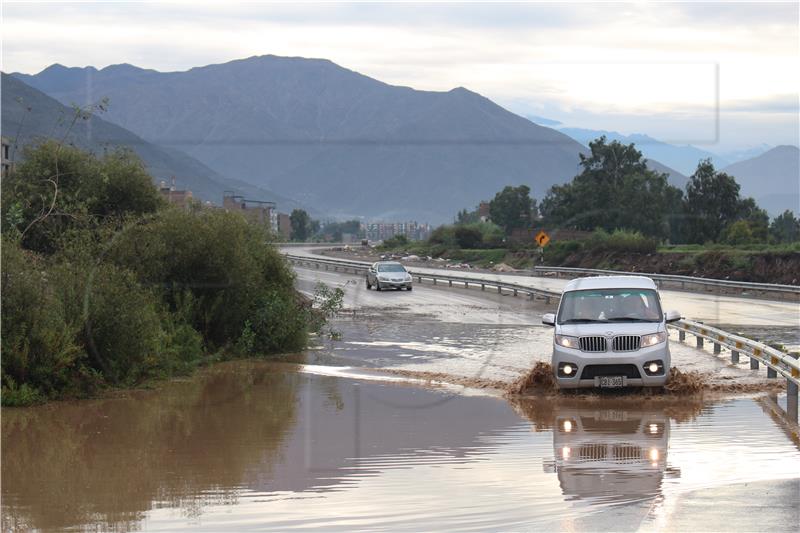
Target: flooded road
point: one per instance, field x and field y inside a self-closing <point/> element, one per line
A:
<point x="479" y="336"/>
<point x="339" y="438"/>
<point x="255" y="445"/>
<point x="698" y="305"/>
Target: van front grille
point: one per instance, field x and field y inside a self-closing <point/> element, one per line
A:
<point x="592" y="452"/>
<point x="626" y="343"/>
<point x="593" y="344"/>
<point x="627" y="453"/>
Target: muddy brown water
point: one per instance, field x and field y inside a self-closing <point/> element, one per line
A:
<point x="254" y="445"/>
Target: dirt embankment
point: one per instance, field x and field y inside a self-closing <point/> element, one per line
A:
<point x="759" y="267"/>
<point x="736" y="265"/>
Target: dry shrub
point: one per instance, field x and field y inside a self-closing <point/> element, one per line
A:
<point x="539" y="379"/>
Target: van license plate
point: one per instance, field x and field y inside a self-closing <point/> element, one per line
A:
<point x="611" y="382"/>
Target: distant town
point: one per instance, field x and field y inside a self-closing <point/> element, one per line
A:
<point x="267" y="213"/>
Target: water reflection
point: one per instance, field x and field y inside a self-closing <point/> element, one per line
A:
<point x="250" y="445"/>
<point x="608" y="451"/>
<point x="610" y="455"/>
<point x="108" y="462"/>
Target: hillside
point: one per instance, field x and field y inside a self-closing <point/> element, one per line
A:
<point x="772" y="178"/>
<point x="30" y="115"/>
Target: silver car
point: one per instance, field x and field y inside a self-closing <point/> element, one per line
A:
<point x="610" y="332"/>
<point x="386" y="274"/>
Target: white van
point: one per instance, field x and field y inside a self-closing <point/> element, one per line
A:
<point x="610" y="332"/>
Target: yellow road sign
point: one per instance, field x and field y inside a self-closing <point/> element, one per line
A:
<point x="542" y="238"/>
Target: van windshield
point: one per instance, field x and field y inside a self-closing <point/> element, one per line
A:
<point x="609" y="305"/>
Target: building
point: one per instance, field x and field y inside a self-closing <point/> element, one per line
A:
<point x="380" y="231"/>
<point x="5" y="152"/>
<point x="284" y="226"/>
<point x="257" y="211"/>
<point x="483" y="212"/>
<point x="181" y="198"/>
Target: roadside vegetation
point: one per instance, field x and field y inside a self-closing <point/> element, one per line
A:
<point x="105" y="285"/>
<point x="618" y="214"/>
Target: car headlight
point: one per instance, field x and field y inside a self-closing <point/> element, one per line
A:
<point x="567" y="341"/>
<point x="653" y="339"/>
<point x="383" y="278"/>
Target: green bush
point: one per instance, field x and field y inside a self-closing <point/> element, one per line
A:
<point x="621" y="241"/>
<point x="40" y="354"/>
<point x="395" y="241"/>
<point x="81" y="189"/>
<point x="443" y="236"/>
<point x="213" y="264"/>
<point x="122" y="333"/>
<point x="278" y="324"/>
<point x="738" y="233"/>
<point x="113" y="287"/>
<point x="468" y="237"/>
<point x="557" y="251"/>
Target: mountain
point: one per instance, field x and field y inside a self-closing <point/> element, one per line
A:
<point x="734" y="156"/>
<point x="30" y="115"/>
<point x="772" y="179"/>
<point x="332" y="138"/>
<point x="542" y="121"/>
<point x="684" y="159"/>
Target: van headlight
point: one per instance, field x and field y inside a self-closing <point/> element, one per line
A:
<point x="653" y="339"/>
<point x="567" y="342"/>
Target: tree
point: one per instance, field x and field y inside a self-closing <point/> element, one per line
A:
<point x="468" y="237"/>
<point x="785" y="227"/>
<point x="467" y="217"/>
<point x="615" y="190"/>
<point x="335" y="231"/>
<point x="712" y="203"/>
<point x="513" y="208"/>
<point x="301" y="225"/>
<point x="738" y="233"/>
<point x="757" y="219"/>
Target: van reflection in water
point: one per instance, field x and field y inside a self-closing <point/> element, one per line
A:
<point x="610" y="456"/>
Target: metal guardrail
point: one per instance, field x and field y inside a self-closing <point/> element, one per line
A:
<point x="344" y="265"/>
<point x="776" y="361"/>
<point x="744" y="286"/>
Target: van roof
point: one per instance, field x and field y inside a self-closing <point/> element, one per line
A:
<point x="610" y="282"/>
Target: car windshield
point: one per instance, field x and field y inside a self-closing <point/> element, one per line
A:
<point x="609" y="305"/>
<point x="392" y="267"/>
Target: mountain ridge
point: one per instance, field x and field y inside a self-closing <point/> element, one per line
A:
<point x="38" y="118"/>
<point x="772" y="178"/>
<point x="333" y="138"/>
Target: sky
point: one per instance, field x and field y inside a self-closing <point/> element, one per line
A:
<point x="718" y="75"/>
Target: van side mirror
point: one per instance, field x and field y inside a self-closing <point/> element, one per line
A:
<point x="549" y="319"/>
<point x="672" y="316"/>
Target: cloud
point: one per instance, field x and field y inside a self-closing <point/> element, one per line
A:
<point x="638" y="59"/>
<point x="781" y="103"/>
